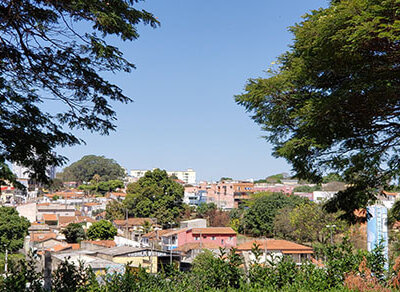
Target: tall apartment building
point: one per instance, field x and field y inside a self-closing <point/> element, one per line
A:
<point x="188" y="176"/>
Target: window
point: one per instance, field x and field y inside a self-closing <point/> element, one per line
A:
<point x="197" y="238"/>
<point x="222" y="241"/>
<point x="213" y="238"/>
<point x="230" y="237"/>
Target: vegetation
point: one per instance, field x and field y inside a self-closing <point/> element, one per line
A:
<point x="344" y="268"/>
<point x="307" y="223"/>
<point x="92" y="167"/>
<point x="157" y="196"/>
<point x="307" y="189"/>
<point x="331" y="101"/>
<point x="102" y="187"/>
<point x="115" y="210"/>
<point x="45" y="58"/>
<point x="102" y="230"/>
<point x="258" y="219"/>
<point x="13" y="229"/>
<point x="74" y="233"/>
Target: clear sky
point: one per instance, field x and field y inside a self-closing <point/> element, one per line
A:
<point x="188" y="71"/>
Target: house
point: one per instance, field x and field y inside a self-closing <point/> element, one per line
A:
<point x="99" y="266"/>
<point x="224" y="237"/>
<point x="43" y="241"/>
<point x="88" y="208"/>
<point x="96" y="244"/>
<point x="58" y="209"/>
<point x="50" y="219"/>
<point x="150" y="259"/>
<point x="274" y="249"/>
<point x="133" y="228"/>
<point x="189" y="251"/>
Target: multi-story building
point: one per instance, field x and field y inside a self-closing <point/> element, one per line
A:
<point x="227" y="194"/>
<point x="188" y="176"/>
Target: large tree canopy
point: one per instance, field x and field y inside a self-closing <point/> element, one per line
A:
<point x="332" y="101"/>
<point x="13" y="229"/>
<point x="92" y="168"/>
<point x="56" y="51"/>
<point x="155" y="195"/>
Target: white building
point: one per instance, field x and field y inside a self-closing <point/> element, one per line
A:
<point x="188" y="176"/>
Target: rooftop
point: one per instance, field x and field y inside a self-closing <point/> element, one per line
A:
<point x="133" y="221"/>
<point x="213" y="230"/>
<point x="274" y="244"/>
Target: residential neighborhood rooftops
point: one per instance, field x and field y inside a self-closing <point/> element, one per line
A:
<point x="119" y="250"/>
<point x="277" y="245"/>
<point x="104" y="243"/>
<point x="213" y="230"/>
<point x="197" y="245"/>
<point x="156" y="233"/>
<point x="50" y="217"/>
<point x="39" y="237"/>
<point x="133" y="221"/>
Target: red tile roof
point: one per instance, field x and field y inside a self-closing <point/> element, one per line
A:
<point x="39" y="237"/>
<point x="91" y="204"/>
<point x="285" y="246"/>
<point x="50" y="217"/>
<point x="105" y="243"/>
<point x="133" y="221"/>
<point x="158" y="233"/>
<point x="213" y="230"/>
<point x="197" y="245"/>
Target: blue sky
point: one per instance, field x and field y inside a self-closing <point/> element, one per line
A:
<point x="188" y="71"/>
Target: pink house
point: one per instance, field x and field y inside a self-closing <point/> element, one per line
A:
<point x="221" y="236"/>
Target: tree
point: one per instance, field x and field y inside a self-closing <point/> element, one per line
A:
<point x="331" y="103"/>
<point x="115" y="210"/>
<point x="13" y="229"/>
<point x="157" y="196"/>
<point x="307" y="223"/>
<point x="307" y="189"/>
<point x="47" y="58"/>
<point x="74" y="233"/>
<point x="102" y="230"/>
<point x="92" y="166"/>
<point x="259" y="218"/>
<point x="225" y="178"/>
<point x="203" y="209"/>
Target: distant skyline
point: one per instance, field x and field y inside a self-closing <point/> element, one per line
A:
<point x="188" y="71"/>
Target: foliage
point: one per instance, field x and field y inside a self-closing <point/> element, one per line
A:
<point x="307" y="223"/>
<point x="332" y="177"/>
<point x="259" y="218"/>
<point x="157" y="196"/>
<point x="331" y="101"/>
<point x="22" y="276"/>
<point x="74" y="233"/>
<point x="85" y="169"/>
<point x="69" y="277"/>
<point x="204" y="208"/>
<point x="13" y="229"/>
<point x="307" y="189"/>
<point x="45" y="58"/>
<point x="102" y="230"/>
<point x="115" y="210"/>
<point x="218" y="272"/>
<point x="394" y="213"/>
<point x="225" y="178"/>
<point x="102" y="187"/>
